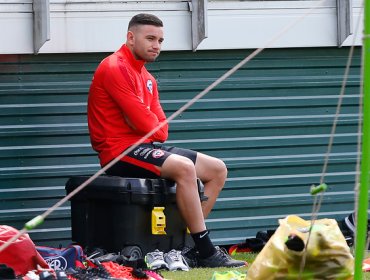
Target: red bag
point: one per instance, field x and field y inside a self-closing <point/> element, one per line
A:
<point x="21" y="255"/>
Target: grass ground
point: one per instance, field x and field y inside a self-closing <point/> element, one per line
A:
<point x="206" y="273"/>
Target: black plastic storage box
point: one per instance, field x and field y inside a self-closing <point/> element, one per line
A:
<point x="115" y="214"/>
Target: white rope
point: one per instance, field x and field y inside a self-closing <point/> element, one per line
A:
<point x="319" y="197"/>
<point x="359" y="146"/>
<point x="174" y="115"/>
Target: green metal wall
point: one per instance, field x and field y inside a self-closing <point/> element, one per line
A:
<point x="270" y="122"/>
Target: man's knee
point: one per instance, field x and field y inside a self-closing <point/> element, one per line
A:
<point x="179" y="168"/>
<point x="220" y="168"/>
<point x="186" y="167"/>
<point x="223" y="166"/>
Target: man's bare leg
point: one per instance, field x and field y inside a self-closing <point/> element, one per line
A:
<point x="212" y="172"/>
<point x="182" y="171"/>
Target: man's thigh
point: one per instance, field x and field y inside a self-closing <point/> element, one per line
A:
<point x="207" y="167"/>
<point x="146" y="160"/>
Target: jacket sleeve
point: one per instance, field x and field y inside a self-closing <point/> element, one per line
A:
<point x="155" y="106"/>
<point x="138" y="115"/>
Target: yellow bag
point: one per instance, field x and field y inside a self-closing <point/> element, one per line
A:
<point x="328" y="255"/>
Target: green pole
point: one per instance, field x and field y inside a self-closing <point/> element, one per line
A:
<point x="361" y="224"/>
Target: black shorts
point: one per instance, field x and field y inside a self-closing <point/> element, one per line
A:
<point x="142" y="162"/>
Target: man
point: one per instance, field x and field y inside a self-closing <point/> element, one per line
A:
<point x="123" y="106"/>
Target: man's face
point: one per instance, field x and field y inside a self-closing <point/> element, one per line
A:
<point x="145" y="42"/>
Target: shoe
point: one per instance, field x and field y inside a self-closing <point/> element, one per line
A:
<point x="190" y="255"/>
<point x="349" y="240"/>
<point x="239" y="248"/>
<point x="175" y="261"/>
<point x="220" y="259"/>
<point x="250" y="245"/>
<point x="110" y="257"/>
<point x="350" y="222"/>
<point x="155" y="260"/>
<point x="265" y="235"/>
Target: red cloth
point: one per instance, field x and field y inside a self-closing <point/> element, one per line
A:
<point x="118" y="271"/>
<point x="123" y="105"/>
<point x="21" y="255"/>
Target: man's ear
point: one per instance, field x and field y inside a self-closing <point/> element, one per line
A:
<point x="130" y="37"/>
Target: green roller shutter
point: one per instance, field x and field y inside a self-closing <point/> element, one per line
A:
<point x="270" y="122"/>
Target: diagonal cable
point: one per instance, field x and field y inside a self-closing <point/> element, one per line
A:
<point x="39" y="219"/>
<point x="319" y="197"/>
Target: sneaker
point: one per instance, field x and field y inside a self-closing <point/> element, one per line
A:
<point x="190" y="255"/>
<point x="155" y="260"/>
<point x="350" y="222"/>
<point x="220" y="259"/>
<point x="175" y="261"/>
<point x="250" y="245"/>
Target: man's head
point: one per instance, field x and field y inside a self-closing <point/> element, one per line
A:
<point x="145" y="36"/>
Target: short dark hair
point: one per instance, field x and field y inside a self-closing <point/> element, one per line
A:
<point x="145" y="19"/>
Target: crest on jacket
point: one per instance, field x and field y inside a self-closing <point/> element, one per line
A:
<point x="149" y="86"/>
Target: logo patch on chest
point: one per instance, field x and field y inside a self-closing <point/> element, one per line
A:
<point x="149" y="86"/>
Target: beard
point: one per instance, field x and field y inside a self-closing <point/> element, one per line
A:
<point x="146" y="56"/>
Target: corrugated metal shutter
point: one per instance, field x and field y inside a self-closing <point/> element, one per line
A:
<point x="43" y="138"/>
<point x="270" y="122"/>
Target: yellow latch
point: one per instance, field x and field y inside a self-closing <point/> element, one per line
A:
<point x="158" y="221"/>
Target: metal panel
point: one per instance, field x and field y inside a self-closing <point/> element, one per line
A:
<point x="43" y="137"/>
<point x="199" y="28"/>
<point x="41" y="24"/>
<point x="344" y="20"/>
<point x="78" y="26"/>
<point x="270" y="122"/>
